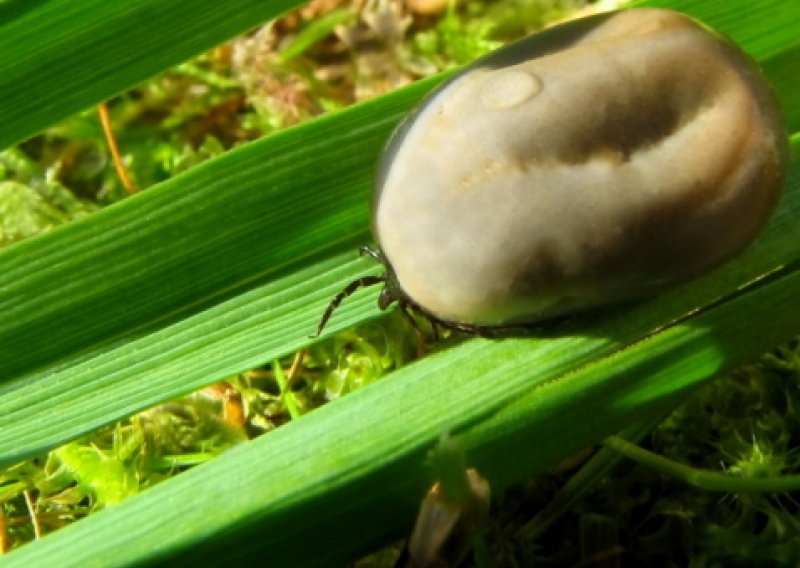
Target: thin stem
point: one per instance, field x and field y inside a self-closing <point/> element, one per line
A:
<point x="286" y="392"/>
<point x="111" y="140"/>
<point x="295" y="368"/>
<point x="709" y="480"/>
<point x="182" y="460"/>
<point x="4" y="540"/>
<point x="37" y="529"/>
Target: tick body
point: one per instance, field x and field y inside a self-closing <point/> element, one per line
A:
<point x="599" y="161"/>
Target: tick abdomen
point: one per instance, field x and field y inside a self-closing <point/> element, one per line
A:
<point x="596" y="162"/>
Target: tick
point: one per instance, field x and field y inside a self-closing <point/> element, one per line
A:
<point x="600" y="161"/>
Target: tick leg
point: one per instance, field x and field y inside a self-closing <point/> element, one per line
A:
<point x="465" y="328"/>
<point x="362" y="282"/>
<point x="485" y="332"/>
<point x="435" y="330"/>
<point x="374" y="253"/>
<point x="409" y="315"/>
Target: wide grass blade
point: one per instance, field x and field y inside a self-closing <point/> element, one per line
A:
<point x="321" y="489"/>
<point x="61" y="56"/>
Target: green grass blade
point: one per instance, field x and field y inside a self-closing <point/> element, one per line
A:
<point x="207" y="267"/>
<point x="352" y="473"/>
<point x="221" y="226"/>
<point x="61" y="56"/>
